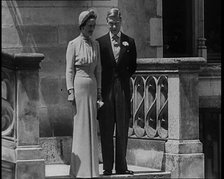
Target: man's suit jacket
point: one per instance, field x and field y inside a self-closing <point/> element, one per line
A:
<point x="124" y="67"/>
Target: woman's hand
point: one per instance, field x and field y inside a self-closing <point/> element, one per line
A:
<point x="71" y="95"/>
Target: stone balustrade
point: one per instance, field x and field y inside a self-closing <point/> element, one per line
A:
<point x="165" y="107"/>
<point x="149" y="106"/>
<point x="21" y="156"/>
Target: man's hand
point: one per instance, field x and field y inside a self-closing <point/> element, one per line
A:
<point x="99" y="104"/>
<point x="99" y="99"/>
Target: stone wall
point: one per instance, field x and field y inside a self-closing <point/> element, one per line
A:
<point x="47" y="27"/>
<point x="142" y="19"/>
<point x="210" y="86"/>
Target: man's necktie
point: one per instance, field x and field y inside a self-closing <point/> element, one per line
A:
<point x="116" y="48"/>
<point x="115" y="40"/>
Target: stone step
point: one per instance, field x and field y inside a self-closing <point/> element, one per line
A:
<point x="61" y="171"/>
<point x="57" y="153"/>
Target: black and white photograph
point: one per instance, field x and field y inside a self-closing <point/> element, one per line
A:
<point x="111" y="89"/>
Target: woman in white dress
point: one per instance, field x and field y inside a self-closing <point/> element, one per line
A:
<point x="83" y="81"/>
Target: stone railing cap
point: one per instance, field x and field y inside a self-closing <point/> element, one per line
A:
<point x="170" y="61"/>
<point x="161" y="64"/>
<point x="22" y="60"/>
<point x="30" y="56"/>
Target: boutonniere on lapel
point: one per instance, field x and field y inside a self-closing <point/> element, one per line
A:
<point x="125" y="43"/>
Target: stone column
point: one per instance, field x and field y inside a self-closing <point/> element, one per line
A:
<point x="200" y="48"/>
<point x="29" y="162"/>
<point x="184" y="157"/>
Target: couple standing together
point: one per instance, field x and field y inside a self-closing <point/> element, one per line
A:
<point x="100" y="70"/>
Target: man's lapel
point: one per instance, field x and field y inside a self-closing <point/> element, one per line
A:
<point x="122" y="50"/>
<point x="109" y="46"/>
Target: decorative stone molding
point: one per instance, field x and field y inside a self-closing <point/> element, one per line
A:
<point x="202" y="49"/>
<point x="149" y="106"/>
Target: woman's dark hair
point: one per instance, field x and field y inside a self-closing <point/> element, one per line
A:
<point x="84" y="23"/>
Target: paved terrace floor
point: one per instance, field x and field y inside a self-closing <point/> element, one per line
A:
<point x="61" y="170"/>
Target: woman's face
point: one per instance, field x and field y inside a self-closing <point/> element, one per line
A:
<point x="88" y="29"/>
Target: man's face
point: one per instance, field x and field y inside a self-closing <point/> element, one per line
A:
<point x="114" y="24"/>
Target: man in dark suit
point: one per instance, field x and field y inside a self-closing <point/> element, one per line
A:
<point x="118" y="59"/>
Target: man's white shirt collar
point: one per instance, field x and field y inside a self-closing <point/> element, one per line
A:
<point x="118" y="34"/>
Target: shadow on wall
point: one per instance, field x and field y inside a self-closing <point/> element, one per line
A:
<point x="25" y="36"/>
<point x="55" y="112"/>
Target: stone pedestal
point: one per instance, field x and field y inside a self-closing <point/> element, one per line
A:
<point x="29" y="161"/>
<point x="183" y="150"/>
<point x="184" y="159"/>
<point x="21" y="155"/>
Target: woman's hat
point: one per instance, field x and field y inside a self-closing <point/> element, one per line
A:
<point x="85" y="15"/>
